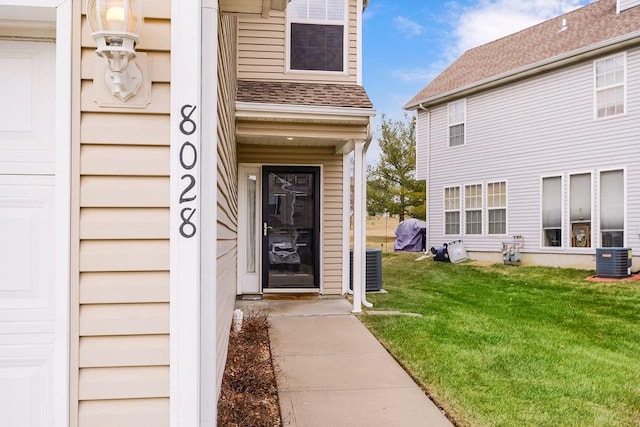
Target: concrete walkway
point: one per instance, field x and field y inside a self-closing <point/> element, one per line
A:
<point x="332" y="372"/>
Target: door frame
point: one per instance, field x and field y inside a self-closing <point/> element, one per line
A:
<point x="317" y="258"/>
<point x="62" y="15"/>
<point x="257" y="169"/>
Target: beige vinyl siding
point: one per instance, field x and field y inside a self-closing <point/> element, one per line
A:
<point x="331" y="198"/>
<point x="109" y="413"/>
<point x="123" y="197"/>
<point x="227" y="213"/>
<point x="262" y="50"/>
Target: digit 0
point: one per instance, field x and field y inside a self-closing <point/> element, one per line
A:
<point x="189" y="163"/>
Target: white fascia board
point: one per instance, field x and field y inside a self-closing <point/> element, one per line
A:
<point x="555" y="62"/>
<point x="256" y="110"/>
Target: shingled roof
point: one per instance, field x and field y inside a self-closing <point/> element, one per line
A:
<point x="589" y="26"/>
<point x="310" y="94"/>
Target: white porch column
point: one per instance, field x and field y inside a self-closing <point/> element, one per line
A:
<point x="363" y="231"/>
<point x="346" y="222"/>
<point x="359" y="226"/>
<point x="210" y="376"/>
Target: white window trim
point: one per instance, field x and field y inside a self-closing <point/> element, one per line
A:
<point x="506" y="207"/>
<point x="625" y="230"/>
<point x="463" y="202"/>
<point x="595" y="213"/>
<point x="245" y="169"/>
<point x="463" y="122"/>
<point x="445" y="210"/>
<point x="623" y="84"/>
<point x="562" y="211"/>
<point x="345" y="43"/>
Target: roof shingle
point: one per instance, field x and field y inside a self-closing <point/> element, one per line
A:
<point x="587" y="26"/>
<point x="294" y="93"/>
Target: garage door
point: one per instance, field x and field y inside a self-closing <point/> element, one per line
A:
<point x="27" y="271"/>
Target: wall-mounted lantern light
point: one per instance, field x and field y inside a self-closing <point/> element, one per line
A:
<point x="115" y="26"/>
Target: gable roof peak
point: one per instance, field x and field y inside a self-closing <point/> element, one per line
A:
<point x="587" y="28"/>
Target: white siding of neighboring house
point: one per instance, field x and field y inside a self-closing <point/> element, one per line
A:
<point x="627" y="4"/>
<point x="521" y="132"/>
<point x="261" y="50"/>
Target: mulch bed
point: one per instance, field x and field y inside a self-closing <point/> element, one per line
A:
<point x="249" y="395"/>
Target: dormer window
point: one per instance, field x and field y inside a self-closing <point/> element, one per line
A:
<point x="317" y="35"/>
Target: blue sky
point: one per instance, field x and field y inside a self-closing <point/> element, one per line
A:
<point x="408" y="42"/>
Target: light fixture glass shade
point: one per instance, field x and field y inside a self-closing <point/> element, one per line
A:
<point x="114" y="16"/>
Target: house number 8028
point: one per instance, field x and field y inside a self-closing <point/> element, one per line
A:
<point x="188" y="157"/>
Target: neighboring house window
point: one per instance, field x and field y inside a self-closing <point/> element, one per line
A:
<point x="497" y="207"/>
<point x="580" y="210"/>
<point x="552" y="211"/>
<point x="317" y="35"/>
<point x="612" y="208"/>
<point x="610" y="81"/>
<point x="456" y="122"/>
<point x="452" y="210"/>
<point x="473" y="209"/>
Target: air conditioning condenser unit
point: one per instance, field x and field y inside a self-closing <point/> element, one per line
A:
<point x="613" y="262"/>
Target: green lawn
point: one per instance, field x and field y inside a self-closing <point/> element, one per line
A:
<point x="514" y="346"/>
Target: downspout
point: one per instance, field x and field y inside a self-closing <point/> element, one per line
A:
<point x="364" y="203"/>
<point x="428" y="154"/>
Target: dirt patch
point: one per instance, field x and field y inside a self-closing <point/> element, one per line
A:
<point x="249" y="395"/>
<point x="633" y="278"/>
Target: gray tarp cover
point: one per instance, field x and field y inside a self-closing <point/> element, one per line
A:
<point x="410" y="235"/>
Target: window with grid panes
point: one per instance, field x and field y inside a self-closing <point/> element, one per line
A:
<point x="457" y="115"/>
<point x="497" y="207"/>
<point x="452" y="210"/>
<point x="473" y="209"/>
<point x="610" y="82"/>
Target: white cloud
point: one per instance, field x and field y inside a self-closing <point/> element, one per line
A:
<point x="407" y="27"/>
<point x="419" y="75"/>
<point x="414" y="75"/>
<point x="492" y="19"/>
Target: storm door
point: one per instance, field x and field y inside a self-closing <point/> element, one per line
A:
<point x="290" y="227"/>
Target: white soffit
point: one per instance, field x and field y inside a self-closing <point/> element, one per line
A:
<point x="306" y="113"/>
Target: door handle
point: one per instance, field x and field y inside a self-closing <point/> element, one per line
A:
<point x="266" y="228"/>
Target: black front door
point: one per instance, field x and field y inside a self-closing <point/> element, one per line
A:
<point x="290" y="227"/>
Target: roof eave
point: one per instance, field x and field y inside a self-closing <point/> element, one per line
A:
<point x="555" y="62"/>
